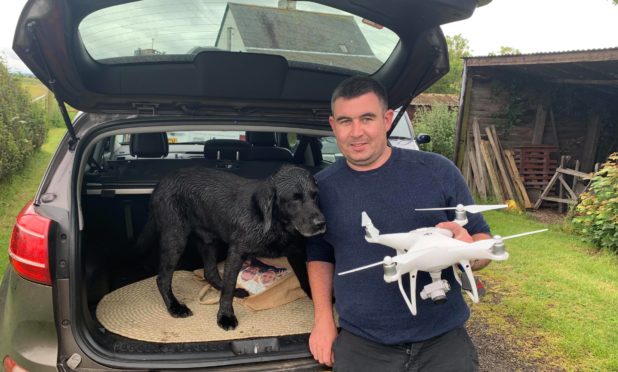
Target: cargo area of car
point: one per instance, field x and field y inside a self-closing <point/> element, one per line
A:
<point x="114" y="206"/>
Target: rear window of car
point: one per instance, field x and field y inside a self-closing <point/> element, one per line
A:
<point x="302" y="32"/>
<point x="190" y="144"/>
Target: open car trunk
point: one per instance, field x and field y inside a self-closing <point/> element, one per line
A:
<point x="125" y="306"/>
<point x="119" y="307"/>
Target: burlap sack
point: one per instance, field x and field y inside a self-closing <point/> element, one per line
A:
<point x="284" y="290"/>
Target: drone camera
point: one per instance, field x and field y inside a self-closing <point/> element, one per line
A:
<point x="439" y="300"/>
<point x="436" y="291"/>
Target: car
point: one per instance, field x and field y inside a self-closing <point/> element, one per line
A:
<point x="240" y="86"/>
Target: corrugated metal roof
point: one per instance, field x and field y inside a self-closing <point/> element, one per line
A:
<point x="583" y="54"/>
<point x="595" y="69"/>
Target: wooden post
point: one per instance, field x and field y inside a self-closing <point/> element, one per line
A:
<point x="491" y="170"/>
<point x="553" y="127"/>
<point x="476" y="132"/>
<point x="517" y="179"/>
<point x="560" y="187"/>
<point x="590" y="144"/>
<point x="495" y="146"/>
<point x="539" y="125"/>
<point x="574" y="184"/>
<point x="475" y="175"/>
<point x="466" y="171"/>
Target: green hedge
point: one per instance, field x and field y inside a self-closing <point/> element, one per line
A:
<point x="439" y="122"/>
<point x="22" y="124"/>
<point x="596" y="215"/>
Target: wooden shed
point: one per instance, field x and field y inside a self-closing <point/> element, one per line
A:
<point x="561" y="107"/>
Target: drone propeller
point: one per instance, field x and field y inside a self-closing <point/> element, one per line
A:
<point x="473" y="208"/>
<point x="523" y="234"/>
<point x="362" y="268"/>
<point x="488" y="243"/>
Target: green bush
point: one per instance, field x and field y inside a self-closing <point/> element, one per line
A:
<point x="22" y="124"/>
<point x="596" y="215"/>
<point x="439" y="123"/>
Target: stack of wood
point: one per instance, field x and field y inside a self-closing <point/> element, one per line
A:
<point x="491" y="171"/>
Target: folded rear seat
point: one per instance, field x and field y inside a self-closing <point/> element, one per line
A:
<point x="264" y="147"/>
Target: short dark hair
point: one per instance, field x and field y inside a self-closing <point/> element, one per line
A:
<point x="356" y="86"/>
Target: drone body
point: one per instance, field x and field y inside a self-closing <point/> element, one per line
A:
<point x="432" y="250"/>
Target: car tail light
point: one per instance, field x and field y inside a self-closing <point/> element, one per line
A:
<point x="9" y="365"/>
<point x="28" y="250"/>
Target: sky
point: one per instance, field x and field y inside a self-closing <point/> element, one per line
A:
<point x="531" y="26"/>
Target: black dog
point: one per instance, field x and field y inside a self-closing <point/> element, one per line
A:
<point x="267" y="218"/>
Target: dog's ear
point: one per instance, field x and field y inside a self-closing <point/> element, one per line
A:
<point x="264" y="198"/>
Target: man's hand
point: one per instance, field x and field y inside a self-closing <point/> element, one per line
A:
<point x="324" y="330"/>
<point x="321" y="341"/>
<point x="460" y="233"/>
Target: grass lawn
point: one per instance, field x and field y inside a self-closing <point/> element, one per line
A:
<point x="556" y="297"/>
<point x="14" y="193"/>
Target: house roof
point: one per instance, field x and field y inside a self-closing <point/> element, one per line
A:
<point x="339" y="37"/>
<point x="596" y="68"/>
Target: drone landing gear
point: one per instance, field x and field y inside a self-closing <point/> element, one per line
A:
<point x="436" y="290"/>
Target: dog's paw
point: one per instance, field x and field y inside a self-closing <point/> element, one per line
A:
<point x="227" y="322"/>
<point x="180" y="311"/>
<point x="241" y="293"/>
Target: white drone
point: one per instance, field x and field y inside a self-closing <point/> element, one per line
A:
<point x="434" y="249"/>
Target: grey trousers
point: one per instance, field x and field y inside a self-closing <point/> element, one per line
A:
<point x="452" y="351"/>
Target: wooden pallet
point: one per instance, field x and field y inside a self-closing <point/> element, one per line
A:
<point x="535" y="165"/>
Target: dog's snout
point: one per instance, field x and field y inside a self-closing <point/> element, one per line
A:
<point x="319" y="223"/>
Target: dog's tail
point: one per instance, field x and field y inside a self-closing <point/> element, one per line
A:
<point x="147" y="245"/>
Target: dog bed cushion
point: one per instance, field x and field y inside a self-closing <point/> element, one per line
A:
<point x="137" y="311"/>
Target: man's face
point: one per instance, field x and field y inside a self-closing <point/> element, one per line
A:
<point x="360" y="125"/>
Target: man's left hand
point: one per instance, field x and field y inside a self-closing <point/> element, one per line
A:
<point x="459" y="232"/>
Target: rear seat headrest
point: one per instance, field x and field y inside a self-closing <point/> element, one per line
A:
<point x="226" y="149"/>
<point x="149" y="145"/>
<point x="261" y="138"/>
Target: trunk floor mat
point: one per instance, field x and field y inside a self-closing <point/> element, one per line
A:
<point x="137" y="311"/>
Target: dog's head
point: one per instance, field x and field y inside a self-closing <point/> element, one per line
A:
<point x="292" y="197"/>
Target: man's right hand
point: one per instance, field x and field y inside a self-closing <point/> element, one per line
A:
<point x="321" y="342"/>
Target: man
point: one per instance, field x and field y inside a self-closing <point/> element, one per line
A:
<point x="377" y="330"/>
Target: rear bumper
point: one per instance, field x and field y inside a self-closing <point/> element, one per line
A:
<point x="27" y="329"/>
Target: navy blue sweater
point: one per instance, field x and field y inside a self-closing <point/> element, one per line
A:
<point x="368" y="306"/>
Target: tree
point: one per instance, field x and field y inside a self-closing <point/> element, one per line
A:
<point x="506" y="50"/>
<point x="458" y="48"/>
<point x="439" y="122"/>
<point x="22" y="124"/>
